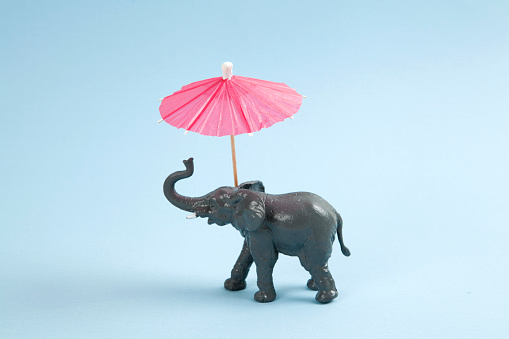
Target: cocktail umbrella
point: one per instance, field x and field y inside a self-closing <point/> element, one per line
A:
<point x="229" y="105"/>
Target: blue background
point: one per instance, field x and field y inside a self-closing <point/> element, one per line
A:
<point x="404" y="130"/>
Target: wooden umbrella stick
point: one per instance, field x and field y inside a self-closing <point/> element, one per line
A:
<point x="234" y="161"/>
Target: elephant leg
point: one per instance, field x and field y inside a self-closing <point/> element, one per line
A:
<point x="311" y="284"/>
<point x="325" y="284"/>
<point x="240" y="270"/>
<point x="265" y="257"/>
<point x="314" y="259"/>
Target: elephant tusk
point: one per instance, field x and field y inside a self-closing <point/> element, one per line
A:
<point x="191" y="216"/>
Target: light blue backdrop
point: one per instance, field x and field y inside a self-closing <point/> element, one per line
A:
<point x="404" y="130"/>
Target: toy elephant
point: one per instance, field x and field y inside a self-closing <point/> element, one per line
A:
<point x="297" y="224"/>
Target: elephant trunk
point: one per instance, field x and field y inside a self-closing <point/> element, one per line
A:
<point x="180" y="201"/>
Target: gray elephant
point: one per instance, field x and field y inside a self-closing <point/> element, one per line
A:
<point x="297" y="224"/>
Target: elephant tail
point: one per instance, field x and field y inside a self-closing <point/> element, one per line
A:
<point x="339" y="230"/>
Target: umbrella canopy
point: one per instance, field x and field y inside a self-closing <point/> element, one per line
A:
<point x="229" y="105"/>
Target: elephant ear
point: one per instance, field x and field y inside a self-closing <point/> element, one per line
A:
<point x="249" y="210"/>
<point x="255" y="185"/>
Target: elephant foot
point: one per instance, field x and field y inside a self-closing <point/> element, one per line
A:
<point x="326" y="296"/>
<point x="234" y="285"/>
<point x="265" y="296"/>
<point x="312" y="285"/>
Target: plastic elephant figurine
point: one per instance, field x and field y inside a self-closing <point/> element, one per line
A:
<point x="297" y="224"/>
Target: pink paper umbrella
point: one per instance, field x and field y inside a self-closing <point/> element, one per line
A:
<point x="229" y="105"/>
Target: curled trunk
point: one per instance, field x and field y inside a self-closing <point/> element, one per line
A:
<point x="180" y="201"/>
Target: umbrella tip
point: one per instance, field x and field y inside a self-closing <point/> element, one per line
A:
<point x="227" y="68"/>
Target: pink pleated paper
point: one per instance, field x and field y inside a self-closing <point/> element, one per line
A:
<point x="220" y="107"/>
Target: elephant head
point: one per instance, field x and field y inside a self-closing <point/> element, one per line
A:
<point x="242" y="206"/>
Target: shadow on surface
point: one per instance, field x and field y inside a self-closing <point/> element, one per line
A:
<point x="71" y="292"/>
